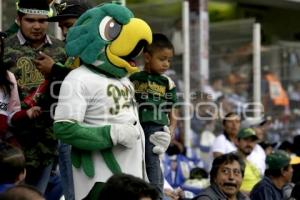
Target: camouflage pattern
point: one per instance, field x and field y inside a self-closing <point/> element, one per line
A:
<point x="36" y="138"/>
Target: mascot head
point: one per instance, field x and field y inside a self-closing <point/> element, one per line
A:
<point x="107" y="38"/>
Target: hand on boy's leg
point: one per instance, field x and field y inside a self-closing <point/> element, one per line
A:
<point x="161" y="140"/>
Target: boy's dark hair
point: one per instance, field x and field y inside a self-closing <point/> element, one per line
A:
<point x="225" y="159"/>
<point x="22" y="192"/>
<point x="198" y="173"/>
<point x="159" y="41"/>
<point x="12" y="163"/>
<point x="127" y="187"/>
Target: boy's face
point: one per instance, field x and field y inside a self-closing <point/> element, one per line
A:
<point x="158" y="61"/>
<point x="65" y="24"/>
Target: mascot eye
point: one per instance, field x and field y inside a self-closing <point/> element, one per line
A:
<point x="109" y="29"/>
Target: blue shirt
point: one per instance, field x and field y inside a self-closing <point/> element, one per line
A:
<point x="266" y="190"/>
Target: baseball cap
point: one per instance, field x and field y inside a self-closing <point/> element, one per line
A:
<point x="295" y="160"/>
<point x="36" y="7"/>
<point x="69" y="9"/>
<point x="246" y="133"/>
<point x="251" y="122"/>
<point x="280" y="159"/>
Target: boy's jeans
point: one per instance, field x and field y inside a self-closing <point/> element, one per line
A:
<point x="65" y="168"/>
<point x="153" y="168"/>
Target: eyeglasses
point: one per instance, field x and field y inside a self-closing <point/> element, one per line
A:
<point x="228" y="171"/>
<point x="60" y="7"/>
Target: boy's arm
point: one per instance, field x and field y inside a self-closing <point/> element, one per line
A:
<point x="172" y="98"/>
<point x="173" y="120"/>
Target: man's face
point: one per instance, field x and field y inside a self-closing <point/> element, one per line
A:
<point x="33" y="27"/>
<point x="229" y="178"/>
<point x="288" y="174"/>
<point x="232" y="125"/>
<point x="246" y="145"/>
<point x="65" y="24"/>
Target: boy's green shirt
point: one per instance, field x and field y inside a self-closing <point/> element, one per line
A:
<point x="155" y="95"/>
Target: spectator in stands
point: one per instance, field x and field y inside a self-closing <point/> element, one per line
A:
<point x="172" y="194"/>
<point x="197" y="181"/>
<point x="275" y="98"/>
<point x="287" y="188"/>
<point x="238" y="97"/>
<point x="279" y="172"/>
<point x="295" y="192"/>
<point x="226" y="177"/>
<point x="203" y="110"/>
<point x="127" y="187"/>
<point x="295" y="95"/>
<point x="22" y="50"/>
<point x="296" y="167"/>
<point x="260" y="125"/>
<point x="267" y="147"/>
<point x="215" y="88"/>
<point x="224" y="105"/>
<point x="12" y="166"/>
<point x="9" y="99"/>
<point x="22" y="192"/>
<point x="246" y="142"/>
<point x="225" y="143"/>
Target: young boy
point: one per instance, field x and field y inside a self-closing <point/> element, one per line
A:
<point x="155" y="94"/>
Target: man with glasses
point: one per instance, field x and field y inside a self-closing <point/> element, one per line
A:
<point x="226" y="177"/>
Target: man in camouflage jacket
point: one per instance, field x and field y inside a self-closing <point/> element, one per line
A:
<point x="21" y="53"/>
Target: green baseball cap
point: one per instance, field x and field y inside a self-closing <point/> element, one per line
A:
<point x="278" y="160"/>
<point x="246" y="133"/>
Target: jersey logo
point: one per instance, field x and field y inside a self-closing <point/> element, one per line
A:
<point x="30" y="76"/>
<point x="123" y="98"/>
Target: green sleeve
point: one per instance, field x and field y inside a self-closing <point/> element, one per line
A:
<point x="83" y="137"/>
<point x="173" y="95"/>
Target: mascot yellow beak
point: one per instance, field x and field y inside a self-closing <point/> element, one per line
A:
<point x="130" y="42"/>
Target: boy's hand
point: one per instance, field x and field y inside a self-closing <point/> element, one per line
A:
<point x="161" y="140"/>
<point x="34" y="112"/>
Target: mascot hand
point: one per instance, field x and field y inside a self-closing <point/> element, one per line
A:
<point x="161" y="140"/>
<point x="124" y="134"/>
<point x="83" y="159"/>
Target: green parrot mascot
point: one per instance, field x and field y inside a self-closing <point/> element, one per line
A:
<point x="96" y="112"/>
